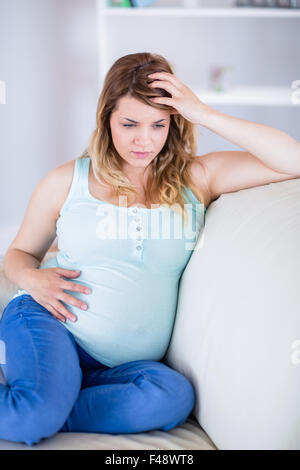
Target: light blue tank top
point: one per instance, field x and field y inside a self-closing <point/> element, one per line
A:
<point x="132" y="260"/>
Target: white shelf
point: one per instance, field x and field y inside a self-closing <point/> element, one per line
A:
<point x="237" y="12"/>
<point x="249" y="96"/>
<point x="238" y="95"/>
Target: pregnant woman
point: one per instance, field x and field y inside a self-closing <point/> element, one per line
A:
<point x="86" y="335"/>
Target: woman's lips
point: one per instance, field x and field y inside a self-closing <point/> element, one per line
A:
<point x="141" y="154"/>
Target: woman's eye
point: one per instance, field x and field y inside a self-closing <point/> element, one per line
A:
<point x="133" y="125"/>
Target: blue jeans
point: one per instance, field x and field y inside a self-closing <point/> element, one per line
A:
<point x="53" y="385"/>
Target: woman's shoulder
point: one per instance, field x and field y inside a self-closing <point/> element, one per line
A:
<point x="65" y="169"/>
<point x="61" y="179"/>
<point x="200" y="178"/>
<point x="63" y="174"/>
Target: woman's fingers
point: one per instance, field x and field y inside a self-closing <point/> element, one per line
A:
<point x="69" y="299"/>
<point x="168" y="76"/>
<point x="54" y="312"/>
<point x="61" y="309"/>
<point x="170" y="83"/>
<point x="66" y="285"/>
<point x="183" y="99"/>
<point x="166" y="86"/>
<point x="66" y="272"/>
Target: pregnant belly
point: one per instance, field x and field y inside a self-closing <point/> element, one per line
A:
<point x="127" y="318"/>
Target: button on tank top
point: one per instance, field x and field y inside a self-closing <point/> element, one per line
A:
<point x="132" y="259"/>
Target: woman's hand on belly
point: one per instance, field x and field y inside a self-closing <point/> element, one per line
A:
<point x="46" y="286"/>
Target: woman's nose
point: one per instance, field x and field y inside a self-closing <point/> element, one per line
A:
<point x="142" y="137"/>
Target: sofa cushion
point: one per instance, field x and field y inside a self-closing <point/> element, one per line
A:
<point x="238" y="319"/>
<point x="188" y="436"/>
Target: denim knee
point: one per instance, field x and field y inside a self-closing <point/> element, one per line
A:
<point x="34" y="416"/>
<point x="41" y="389"/>
<point x="170" y="394"/>
<point x="181" y="396"/>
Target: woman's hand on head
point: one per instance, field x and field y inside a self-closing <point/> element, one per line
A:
<point x="46" y="286"/>
<point x="183" y="99"/>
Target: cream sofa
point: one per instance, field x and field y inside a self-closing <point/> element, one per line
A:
<point x="236" y="334"/>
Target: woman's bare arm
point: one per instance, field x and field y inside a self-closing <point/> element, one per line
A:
<point x="38" y="229"/>
<point x="16" y="266"/>
<point x="36" y="235"/>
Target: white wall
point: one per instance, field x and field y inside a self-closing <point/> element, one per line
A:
<point x="48" y="60"/>
<point x="48" y="55"/>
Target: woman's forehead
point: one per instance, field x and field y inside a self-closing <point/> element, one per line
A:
<point x="134" y="109"/>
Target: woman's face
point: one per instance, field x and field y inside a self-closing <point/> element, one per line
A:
<point x="137" y="127"/>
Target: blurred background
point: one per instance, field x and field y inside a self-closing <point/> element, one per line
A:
<point x="240" y="57"/>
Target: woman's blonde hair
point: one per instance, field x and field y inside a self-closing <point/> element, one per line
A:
<point x="169" y="172"/>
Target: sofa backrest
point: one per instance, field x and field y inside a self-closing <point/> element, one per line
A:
<point x="237" y="326"/>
